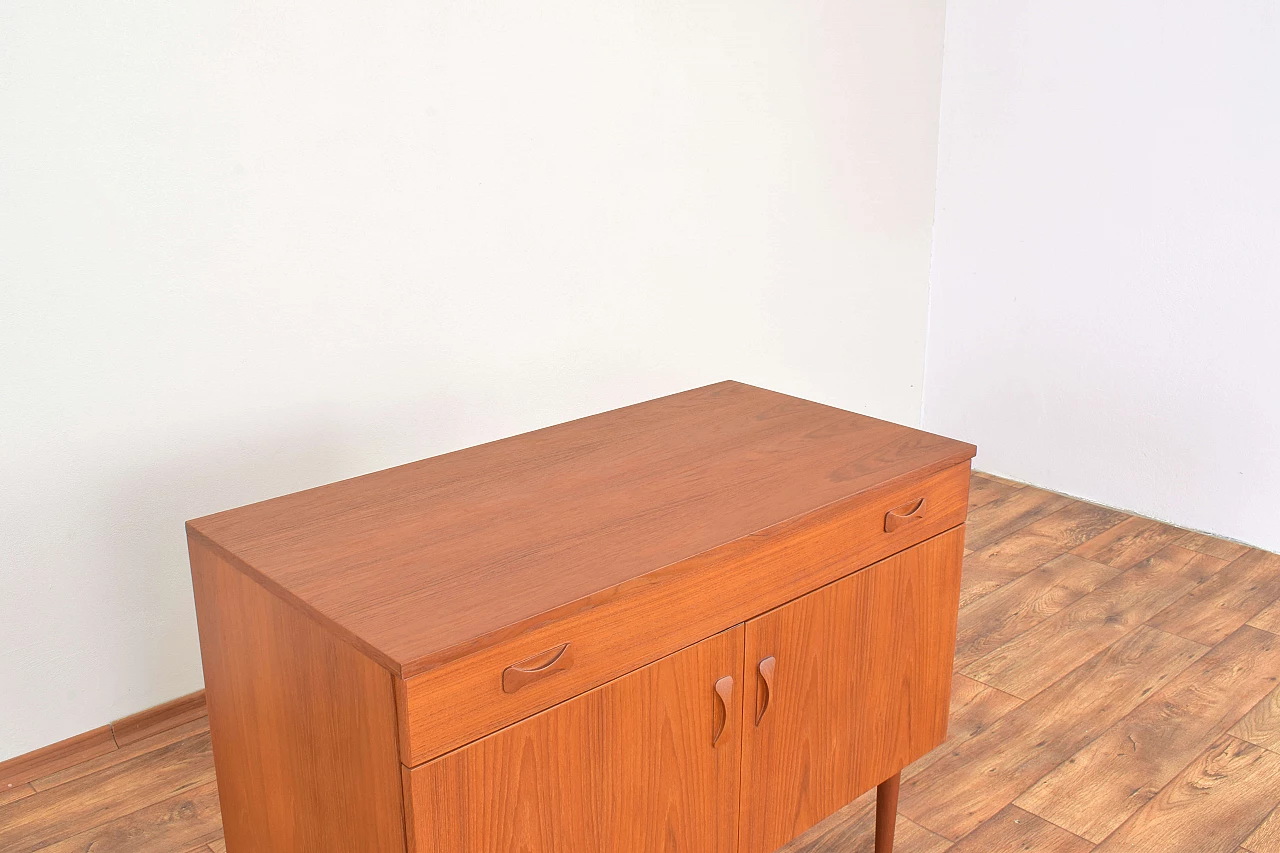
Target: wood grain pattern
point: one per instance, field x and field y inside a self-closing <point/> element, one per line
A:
<point x="65" y="753"/>
<point x="1013" y="511"/>
<point x="1223" y="549"/>
<point x="1231" y="787"/>
<point x="1032" y="661"/>
<point x="12" y="792"/>
<point x="1261" y="725"/>
<point x="124" y="753"/>
<point x="627" y="768"/>
<point x="1268" y="619"/>
<point x="186" y="819"/>
<point x="861" y="687"/>
<point x="47" y="817"/>
<point x="1013" y="829"/>
<point x="1024" y="602"/>
<point x="1129" y="542"/>
<point x="1208" y="613"/>
<point x="158" y="719"/>
<point x="1266" y="838"/>
<point x="303" y="725"/>
<point x="1004" y="560"/>
<point x="696" y="599"/>
<point x="976" y="779"/>
<point x="983" y="490"/>
<point x="425" y="563"/>
<point x="974" y="708"/>
<point x="853" y="829"/>
<point x="1099" y="787"/>
<point x="996" y="478"/>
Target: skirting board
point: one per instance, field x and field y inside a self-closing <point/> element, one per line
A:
<point x="58" y="756"/>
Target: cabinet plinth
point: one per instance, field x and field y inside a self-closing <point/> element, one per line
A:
<point x="701" y="623"/>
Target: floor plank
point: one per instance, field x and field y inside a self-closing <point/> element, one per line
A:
<point x="974" y="708"/>
<point x="1266" y="838"/>
<point x="218" y="846"/>
<point x="1261" y="726"/>
<point x="124" y="753"/>
<point x="1211" y="807"/>
<point x="1099" y="787"/>
<point x="984" y="490"/>
<point x="1026" y="601"/>
<point x="1032" y="661"/>
<point x="1236" y="594"/>
<point x="63" y="811"/>
<point x="978" y="778"/>
<point x="854" y="828"/>
<point x="1012" y="830"/>
<point x="66" y="753"/>
<point x="1268" y="619"/>
<point x="1015" y="510"/>
<point x="996" y="478"/>
<point x="187" y="819"/>
<point x="1204" y="543"/>
<point x="1012" y="556"/>
<point x="1130" y="542"/>
<point x="12" y="792"/>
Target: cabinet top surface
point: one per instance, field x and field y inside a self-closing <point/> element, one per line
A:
<point x="425" y="561"/>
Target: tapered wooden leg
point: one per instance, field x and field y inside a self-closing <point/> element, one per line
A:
<point x="887" y="812"/>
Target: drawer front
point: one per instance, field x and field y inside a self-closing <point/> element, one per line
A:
<point x="667" y="610"/>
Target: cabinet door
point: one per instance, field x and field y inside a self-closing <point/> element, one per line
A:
<point x="646" y="763"/>
<point x="846" y="686"/>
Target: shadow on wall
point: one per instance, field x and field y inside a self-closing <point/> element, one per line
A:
<point x="146" y="583"/>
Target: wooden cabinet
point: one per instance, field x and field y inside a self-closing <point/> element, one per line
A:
<point x="645" y="764"/>
<point x="847" y="686"/>
<point x="701" y="623"/>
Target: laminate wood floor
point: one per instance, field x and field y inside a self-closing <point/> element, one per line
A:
<point x="1117" y="688"/>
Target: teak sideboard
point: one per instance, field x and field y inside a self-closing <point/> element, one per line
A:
<point x="699" y="624"/>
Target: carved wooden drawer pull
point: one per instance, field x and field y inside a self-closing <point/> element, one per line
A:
<point x="534" y="668"/>
<point x="895" y="518"/>
<point x="765" y="691"/>
<point x="724" y="692"/>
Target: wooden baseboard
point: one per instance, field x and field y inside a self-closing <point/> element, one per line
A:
<point x="144" y="723"/>
<point x="102" y="740"/>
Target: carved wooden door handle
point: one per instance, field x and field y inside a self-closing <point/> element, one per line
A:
<point x="765" y="692"/>
<point x="724" y="692"/>
<point x="537" y="667"/>
<point x="895" y="518"/>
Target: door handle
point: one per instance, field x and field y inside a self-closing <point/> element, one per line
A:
<point x="537" y="667"/>
<point x="895" y="518"/>
<point x="724" y="692"/>
<point x="765" y="693"/>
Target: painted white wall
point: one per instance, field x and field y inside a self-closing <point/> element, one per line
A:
<point x="247" y="248"/>
<point x="1106" y="277"/>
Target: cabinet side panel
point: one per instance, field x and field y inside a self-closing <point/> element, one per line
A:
<point x="630" y="767"/>
<point x="303" y="725"/>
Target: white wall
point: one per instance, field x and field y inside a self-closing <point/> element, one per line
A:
<point x="247" y="248"/>
<point x="1105" y="310"/>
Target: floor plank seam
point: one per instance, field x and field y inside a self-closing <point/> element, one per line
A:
<point x="1050" y="822"/>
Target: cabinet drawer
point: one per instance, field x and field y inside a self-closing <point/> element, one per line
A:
<point x="637" y="623"/>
